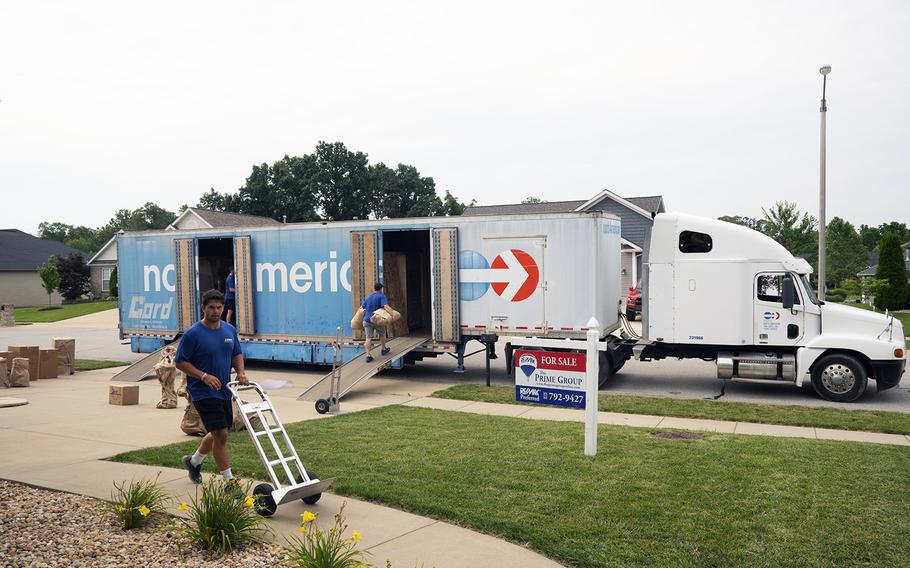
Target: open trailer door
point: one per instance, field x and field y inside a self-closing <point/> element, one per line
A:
<point x="243" y="284"/>
<point x="364" y="266"/>
<point x="185" y="268"/>
<point x="444" y="262"/>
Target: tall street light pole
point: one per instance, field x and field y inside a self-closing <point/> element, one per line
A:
<point x="821" y="191"/>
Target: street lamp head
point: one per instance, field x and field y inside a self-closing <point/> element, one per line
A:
<point x="825" y="70"/>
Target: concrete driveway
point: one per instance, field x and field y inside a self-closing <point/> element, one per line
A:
<point x="96" y="338"/>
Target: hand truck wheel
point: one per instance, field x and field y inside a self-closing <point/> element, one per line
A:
<point x="312" y="499"/>
<point x="264" y="503"/>
<point x="322" y="406"/>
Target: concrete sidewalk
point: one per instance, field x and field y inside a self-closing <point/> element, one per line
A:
<point x="60" y="438"/>
<point x="668" y="422"/>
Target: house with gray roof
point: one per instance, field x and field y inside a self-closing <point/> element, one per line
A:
<point x="636" y="215"/>
<point x="103" y="263"/>
<point x="20" y="256"/>
<point x="873" y="262"/>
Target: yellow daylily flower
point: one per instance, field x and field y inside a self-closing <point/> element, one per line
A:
<point x="121" y="508"/>
<point x="143" y="510"/>
<point x="302" y="529"/>
<point x="183" y="506"/>
<point x="249" y="501"/>
<point x="355" y="536"/>
<point x="307" y="517"/>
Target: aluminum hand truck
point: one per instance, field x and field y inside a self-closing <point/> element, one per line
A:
<point x="295" y="482"/>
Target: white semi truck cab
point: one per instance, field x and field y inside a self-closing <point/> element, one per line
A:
<point x="715" y="290"/>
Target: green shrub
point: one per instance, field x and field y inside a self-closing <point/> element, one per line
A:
<point x="219" y="520"/>
<point x="835" y="292"/>
<point x="319" y="548"/>
<point x="836" y="298"/>
<point x="135" y="503"/>
<point x="891" y="268"/>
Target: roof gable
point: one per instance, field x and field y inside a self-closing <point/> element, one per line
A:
<point x="206" y="218"/>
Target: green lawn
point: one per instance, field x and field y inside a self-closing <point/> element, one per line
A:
<point x="869" y="420"/>
<point x="93" y="364"/>
<point x="36" y="314"/>
<point x="726" y="500"/>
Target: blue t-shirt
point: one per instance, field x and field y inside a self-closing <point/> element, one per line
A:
<point x="211" y="351"/>
<point x="228" y="295"/>
<point x="373" y="302"/>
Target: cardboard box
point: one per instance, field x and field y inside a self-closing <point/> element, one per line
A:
<point x="48" y="366"/>
<point x="33" y="354"/>
<point x="124" y="395"/>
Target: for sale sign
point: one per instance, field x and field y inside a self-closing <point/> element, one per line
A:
<point x="549" y="377"/>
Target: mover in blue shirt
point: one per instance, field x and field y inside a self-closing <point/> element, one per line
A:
<point x="230" y="297"/>
<point x="207" y="351"/>
<point x="372" y="303"/>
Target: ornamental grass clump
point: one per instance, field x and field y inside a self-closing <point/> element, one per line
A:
<point x="319" y="548"/>
<point x="134" y="504"/>
<point x="223" y="517"/>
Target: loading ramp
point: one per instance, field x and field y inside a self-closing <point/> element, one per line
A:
<point x="141" y="369"/>
<point x="358" y="370"/>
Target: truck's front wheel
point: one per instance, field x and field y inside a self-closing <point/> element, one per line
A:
<point x="839" y="378"/>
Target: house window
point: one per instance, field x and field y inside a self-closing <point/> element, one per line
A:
<point x="691" y="241"/>
<point x="106" y="279"/>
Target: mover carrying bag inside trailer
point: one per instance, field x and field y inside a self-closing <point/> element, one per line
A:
<point x="453" y="279"/>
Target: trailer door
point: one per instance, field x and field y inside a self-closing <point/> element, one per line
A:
<point x="444" y="281"/>
<point x="243" y="283"/>
<point x="185" y="268"/>
<point x="364" y="266"/>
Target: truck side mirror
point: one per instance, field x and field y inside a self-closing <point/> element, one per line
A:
<point x="789" y="293"/>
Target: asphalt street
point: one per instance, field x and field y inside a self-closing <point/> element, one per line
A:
<point x="96" y="338"/>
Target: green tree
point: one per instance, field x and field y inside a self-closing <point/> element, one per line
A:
<point x="75" y="276"/>
<point x="750" y="222"/>
<point x="50" y="278"/>
<point x="532" y="199"/>
<point x="845" y="254"/>
<point x="795" y="230"/>
<point x="872" y="236"/>
<point x="342" y="182"/>
<point x="874" y="288"/>
<point x="451" y="206"/>
<point x="891" y="268"/>
<point x="54" y="231"/>
<point x="402" y="192"/>
<point x="113" y="287"/>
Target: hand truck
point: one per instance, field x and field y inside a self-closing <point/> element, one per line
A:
<point x="297" y="482"/>
<point x="332" y="403"/>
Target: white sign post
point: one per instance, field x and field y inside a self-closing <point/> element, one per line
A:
<point x="591" y="400"/>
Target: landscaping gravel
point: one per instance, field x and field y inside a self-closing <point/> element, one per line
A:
<point x="41" y="528"/>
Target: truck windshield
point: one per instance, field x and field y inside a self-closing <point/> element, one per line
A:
<point x="807" y="286"/>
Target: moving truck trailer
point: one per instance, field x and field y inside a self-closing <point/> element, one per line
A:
<point x="718" y="291"/>
<point x="454" y="279"/>
<point x="710" y="290"/>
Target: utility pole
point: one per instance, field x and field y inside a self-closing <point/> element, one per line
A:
<point x="821" y="191"/>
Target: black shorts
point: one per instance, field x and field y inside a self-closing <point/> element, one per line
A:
<point x="230" y="305"/>
<point x="216" y="413"/>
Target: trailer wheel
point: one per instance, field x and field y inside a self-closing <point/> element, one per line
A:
<point x="264" y="503"/>
<point x="322" y="406"/>
<point x="839" y="378"/>
<point x="312" y="499"/>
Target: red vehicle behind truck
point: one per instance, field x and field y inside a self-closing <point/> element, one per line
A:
<point x="633" y="302"/>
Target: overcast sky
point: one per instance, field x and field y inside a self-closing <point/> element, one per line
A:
<point x="714" y="105"/>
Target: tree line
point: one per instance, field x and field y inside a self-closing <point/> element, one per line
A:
<point x="847" y="251"/>
<point x="331" y="184"/>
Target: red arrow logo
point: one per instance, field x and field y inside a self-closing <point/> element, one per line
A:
<point x="520" y="273"/>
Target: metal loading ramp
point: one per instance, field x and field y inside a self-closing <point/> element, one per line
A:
<point x="141" y="369"/>
<point x="358" y="370"/>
